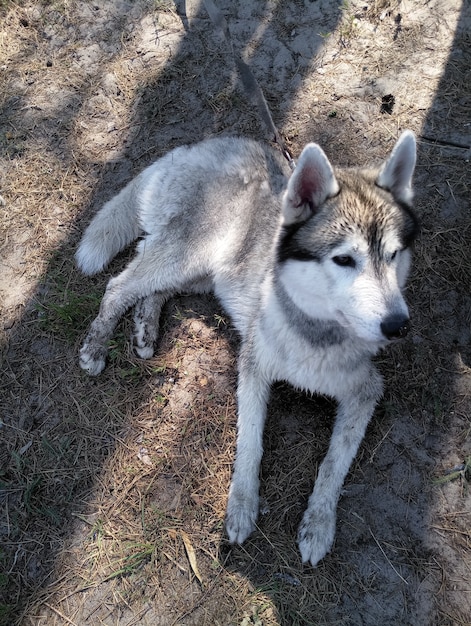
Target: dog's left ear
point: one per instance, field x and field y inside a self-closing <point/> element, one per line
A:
<point x="312" y="182"/>
<point x="396" y="173"/>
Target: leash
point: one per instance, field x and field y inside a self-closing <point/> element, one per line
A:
<point x="251" y="86"/>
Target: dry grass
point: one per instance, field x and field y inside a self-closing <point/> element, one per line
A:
<point x="114" y="489"/>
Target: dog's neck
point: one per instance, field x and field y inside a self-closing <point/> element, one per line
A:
<point x="318" y="332"/>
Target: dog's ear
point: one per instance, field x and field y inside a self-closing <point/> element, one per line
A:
<point x="396" y="173"/>
<point x="312" y="182"/>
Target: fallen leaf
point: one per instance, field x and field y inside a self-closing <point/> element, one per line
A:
<point x="190" y="551"/>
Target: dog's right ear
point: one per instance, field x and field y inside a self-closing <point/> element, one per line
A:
<point x="396" y="174"/>
<point x="311" y="183"/>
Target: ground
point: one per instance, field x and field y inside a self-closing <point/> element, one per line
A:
<point x="113" y="489"/>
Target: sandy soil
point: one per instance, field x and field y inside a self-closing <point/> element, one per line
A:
<point x="114" y="489"/>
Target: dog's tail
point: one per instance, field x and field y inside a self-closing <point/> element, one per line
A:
<point x="113" y="228"/>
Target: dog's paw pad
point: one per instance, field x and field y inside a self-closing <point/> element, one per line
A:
<point x="92" y="361"/>
<point x="316" y="536"/>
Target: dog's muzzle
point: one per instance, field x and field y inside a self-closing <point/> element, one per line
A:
<point x="395" y="327"/>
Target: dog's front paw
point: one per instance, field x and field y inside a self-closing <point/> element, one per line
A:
<point x="92" y="359"/>
<point x="316" y="535"/>
<point x="242" y="513"/>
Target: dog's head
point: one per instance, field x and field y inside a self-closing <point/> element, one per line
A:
<point x="344" y="250"/>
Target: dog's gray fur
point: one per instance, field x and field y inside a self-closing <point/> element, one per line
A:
<point x="310" y="267"/>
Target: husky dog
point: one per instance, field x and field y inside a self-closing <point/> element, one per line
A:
<point x="309" y="266"/>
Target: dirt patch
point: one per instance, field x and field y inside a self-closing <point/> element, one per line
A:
<point x="114" y="489"/>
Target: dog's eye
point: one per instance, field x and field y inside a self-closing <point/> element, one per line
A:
<point x="344" y="260"/>
<point x="393" y="255"/>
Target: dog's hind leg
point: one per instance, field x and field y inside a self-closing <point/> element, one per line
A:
<point x="149" y="272"/>
<point x="121" y="293"/>
<point x="317" y="529"/>
<point x="147" y="313"/>
<point x="146" y="324"/>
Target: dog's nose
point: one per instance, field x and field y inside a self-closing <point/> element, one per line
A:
<point x="395" y="326"/>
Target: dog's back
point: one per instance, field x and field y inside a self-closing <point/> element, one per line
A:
<point x="219" y="177"/>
